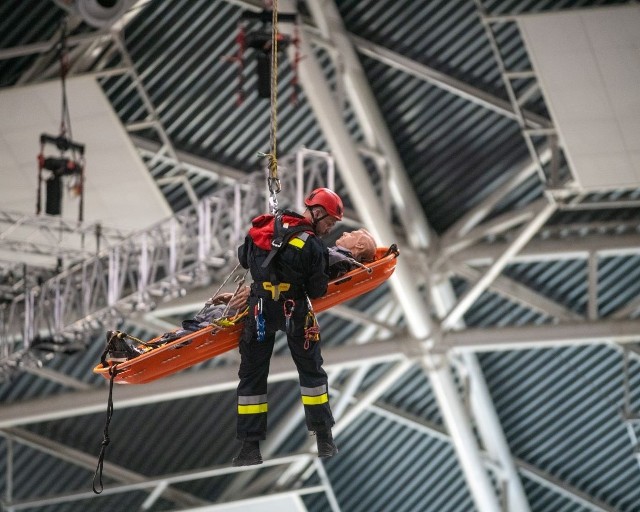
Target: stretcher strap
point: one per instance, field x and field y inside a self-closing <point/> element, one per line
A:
<point x="105" y="440"/>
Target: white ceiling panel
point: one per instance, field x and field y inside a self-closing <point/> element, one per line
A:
<point x="588" y="66"/>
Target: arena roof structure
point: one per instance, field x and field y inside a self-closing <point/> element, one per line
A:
<point x="497" y="143"/>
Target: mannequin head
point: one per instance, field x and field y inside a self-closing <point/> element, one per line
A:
<point x="360" y="243"/>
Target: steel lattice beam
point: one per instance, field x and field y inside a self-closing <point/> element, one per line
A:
<point x="188" y="250"/>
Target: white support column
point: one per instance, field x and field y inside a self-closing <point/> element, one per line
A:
<point x="492" y="434"/>
<point x="484" y="411"/>
<point x="538" y="337"/>
<point x="416" y="313"/>
<point x="366" y="109"/>
<point x="458" y="424"/>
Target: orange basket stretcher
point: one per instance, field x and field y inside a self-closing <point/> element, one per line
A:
<point x="214" y="340"/>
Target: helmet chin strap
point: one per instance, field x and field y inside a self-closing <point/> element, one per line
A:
<point x="314" y="220"/>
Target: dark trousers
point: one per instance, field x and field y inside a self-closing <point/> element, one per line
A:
<point x="255" y="357"/>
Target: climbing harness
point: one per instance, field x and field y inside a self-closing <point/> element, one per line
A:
<point x="283" y="235"/>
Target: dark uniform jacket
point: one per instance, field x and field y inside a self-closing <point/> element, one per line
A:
<point x="302" y="261"/>
<point x="340" y="261"/>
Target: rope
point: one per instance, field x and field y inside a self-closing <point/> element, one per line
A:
<point x="105" y="440"/>
<point x="273" y="180"/>
<point x="227" y="279"/>
<point x="240" y="280"/>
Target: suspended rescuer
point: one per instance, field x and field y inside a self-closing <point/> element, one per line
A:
<point x="289" y="265"/>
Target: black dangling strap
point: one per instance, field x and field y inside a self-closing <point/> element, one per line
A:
<point x="105" y="440"/>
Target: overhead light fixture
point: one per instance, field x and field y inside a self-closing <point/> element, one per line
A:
<point x="97" y="13"/>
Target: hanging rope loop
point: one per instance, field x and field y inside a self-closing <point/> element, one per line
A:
<point x="98" y="487"/>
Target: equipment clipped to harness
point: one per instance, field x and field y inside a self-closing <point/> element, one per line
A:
<point x="311" y="330"/>
<point x="260" y="322"/>
<point x="311" y="327"/>
<point x="288" y="307"/>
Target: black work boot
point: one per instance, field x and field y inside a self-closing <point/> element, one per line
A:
<point x="326" y="446"/>
<point x="249" y="454"/>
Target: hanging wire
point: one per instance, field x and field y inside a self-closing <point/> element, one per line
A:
<point x="65" y="119"/>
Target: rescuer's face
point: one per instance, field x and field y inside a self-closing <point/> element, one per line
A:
<point x="324" y="226"/>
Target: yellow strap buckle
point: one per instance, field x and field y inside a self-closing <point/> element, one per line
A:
<point x="275" y="290"/>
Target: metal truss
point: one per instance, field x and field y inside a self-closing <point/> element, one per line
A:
<point x="46" y="235"/>
<point x="193" y="248"/>
<point x="522" y="85"/>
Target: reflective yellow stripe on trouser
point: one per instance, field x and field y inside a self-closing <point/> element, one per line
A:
<point x="254" y="404"/>
<point x="314" y="396"/>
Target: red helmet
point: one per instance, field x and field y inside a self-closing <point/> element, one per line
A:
<point x="328" y="199"/>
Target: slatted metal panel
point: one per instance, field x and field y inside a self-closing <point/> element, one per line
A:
<point x="559" y="408"/>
